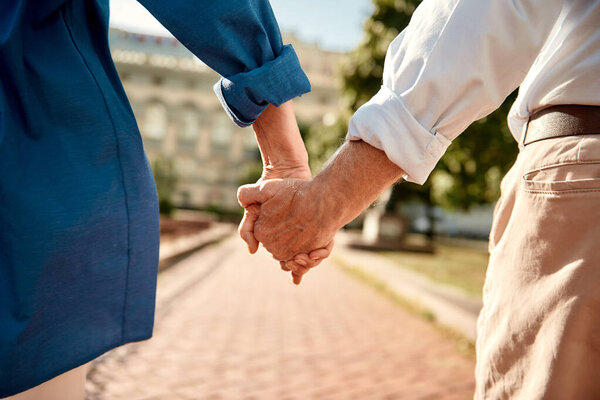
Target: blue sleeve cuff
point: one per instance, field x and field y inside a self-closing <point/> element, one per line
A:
<point x="244" y="96"/>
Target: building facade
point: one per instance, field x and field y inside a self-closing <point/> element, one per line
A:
<point x="181" y="119"/>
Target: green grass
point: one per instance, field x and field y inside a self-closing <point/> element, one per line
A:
<point x="456" y="263"/>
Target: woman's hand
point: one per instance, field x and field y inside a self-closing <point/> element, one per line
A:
<point x="284" y="157"/>
<point x="291" y="219"/>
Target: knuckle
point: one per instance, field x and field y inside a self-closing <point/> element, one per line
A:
<point x="253" y="209"/>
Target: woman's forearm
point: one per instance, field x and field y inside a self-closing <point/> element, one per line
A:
<point x="280" y="143"/>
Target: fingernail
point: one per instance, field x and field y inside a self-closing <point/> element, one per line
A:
<point x="300" y="261"/>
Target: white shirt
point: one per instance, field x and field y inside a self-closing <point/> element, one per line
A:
<point x="459" y="59"/>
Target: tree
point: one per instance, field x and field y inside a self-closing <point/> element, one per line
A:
<point x="470" y="171"/>
<point x="363" y="74"/>
<point x="166" y="179"/>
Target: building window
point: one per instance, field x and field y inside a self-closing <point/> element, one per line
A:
<point x="214" y="197"/>
<point x="211" y="174"/>
<point x="157" y="80"/>
<point x="190" y="122"/>
<point x="173" y="82"/>
<point x="186" y="168"/>
<point x="155" y="121"/>
<point x="221" y="132"/>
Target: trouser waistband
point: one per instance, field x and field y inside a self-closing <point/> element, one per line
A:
<point x="562" y="120"/>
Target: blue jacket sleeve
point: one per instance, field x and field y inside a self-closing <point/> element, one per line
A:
<point x="240" y="40"/>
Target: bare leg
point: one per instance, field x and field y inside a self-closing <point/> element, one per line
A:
<point x="68" y="386"/>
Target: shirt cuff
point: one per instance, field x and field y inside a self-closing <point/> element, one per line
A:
<point x="385" y="123"/>
<point x="244" y="96"/>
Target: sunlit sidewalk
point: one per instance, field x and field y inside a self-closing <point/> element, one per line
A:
<point x="232" y="326"/>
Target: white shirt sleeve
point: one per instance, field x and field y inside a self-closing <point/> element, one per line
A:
<point x="455" y="63"/>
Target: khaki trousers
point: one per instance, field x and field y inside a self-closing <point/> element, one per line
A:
<point x="539" y="330"/>
<point x="68" y="386"/>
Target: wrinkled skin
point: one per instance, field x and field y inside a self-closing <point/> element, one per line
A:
<point x="291" y="217"/>
<point x="284" y="156"/>
<point x="281" y="215"/>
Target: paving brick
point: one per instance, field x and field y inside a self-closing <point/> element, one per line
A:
<point x="244" y="332"/>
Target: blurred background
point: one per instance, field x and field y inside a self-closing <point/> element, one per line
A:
<point x="413" y="264"/>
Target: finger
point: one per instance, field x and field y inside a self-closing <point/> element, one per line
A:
<point x="249" y="194"/>
<point x="306" y="261"/>
<point x="257" y="193"/>
<point x="302" y="259"/>
<point x="296" y="278"/>
<point x="321" y="253"/>
<point x="246" y="229"/>
<point x="290" y="266"/>
<point x="314" y="263"/>
<point x="295" y="267"/>
<point x="284" y="266"/>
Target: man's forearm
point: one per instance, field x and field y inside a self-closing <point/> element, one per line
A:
<point x="279" y="141"/>
<point x="296" y="216"/>
<point x="356" y="175"/>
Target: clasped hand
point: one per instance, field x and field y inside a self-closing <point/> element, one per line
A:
<point x="288" y="217"/>
<point x="281" y="210"/>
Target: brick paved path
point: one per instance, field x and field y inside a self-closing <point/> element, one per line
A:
<point x="232" y="326"/>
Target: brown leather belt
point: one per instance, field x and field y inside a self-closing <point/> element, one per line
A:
<point x="562" y="120"/>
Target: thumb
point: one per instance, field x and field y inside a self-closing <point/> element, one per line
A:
<point x="256" y="193"/>
<point x="246" y="228"/>
<point x="250" y="194"/>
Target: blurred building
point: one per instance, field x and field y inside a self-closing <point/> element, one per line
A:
<point x="181" y="119"/>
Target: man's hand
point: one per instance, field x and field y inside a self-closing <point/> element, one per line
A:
<point x="284" y="156"/>
<point x="282" y="214"/>
<point x="302" y="263"/>
<point x="292" y="217"/>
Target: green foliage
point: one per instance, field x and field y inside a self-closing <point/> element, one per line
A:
<point x="322" y="141"/>
<point x="251" y="172"/>
<point x="166" y="179"/>
<point x="364" y="72"/>
<point x="470" y="171"/>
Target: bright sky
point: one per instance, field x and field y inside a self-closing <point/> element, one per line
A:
<point x="333" y="26"/>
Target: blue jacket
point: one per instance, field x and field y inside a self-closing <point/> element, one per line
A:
<point x="78" y="207"/>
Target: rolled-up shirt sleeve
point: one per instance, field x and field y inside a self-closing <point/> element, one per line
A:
<point x="240" y="40"/>
<point x="455" y="62"/>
